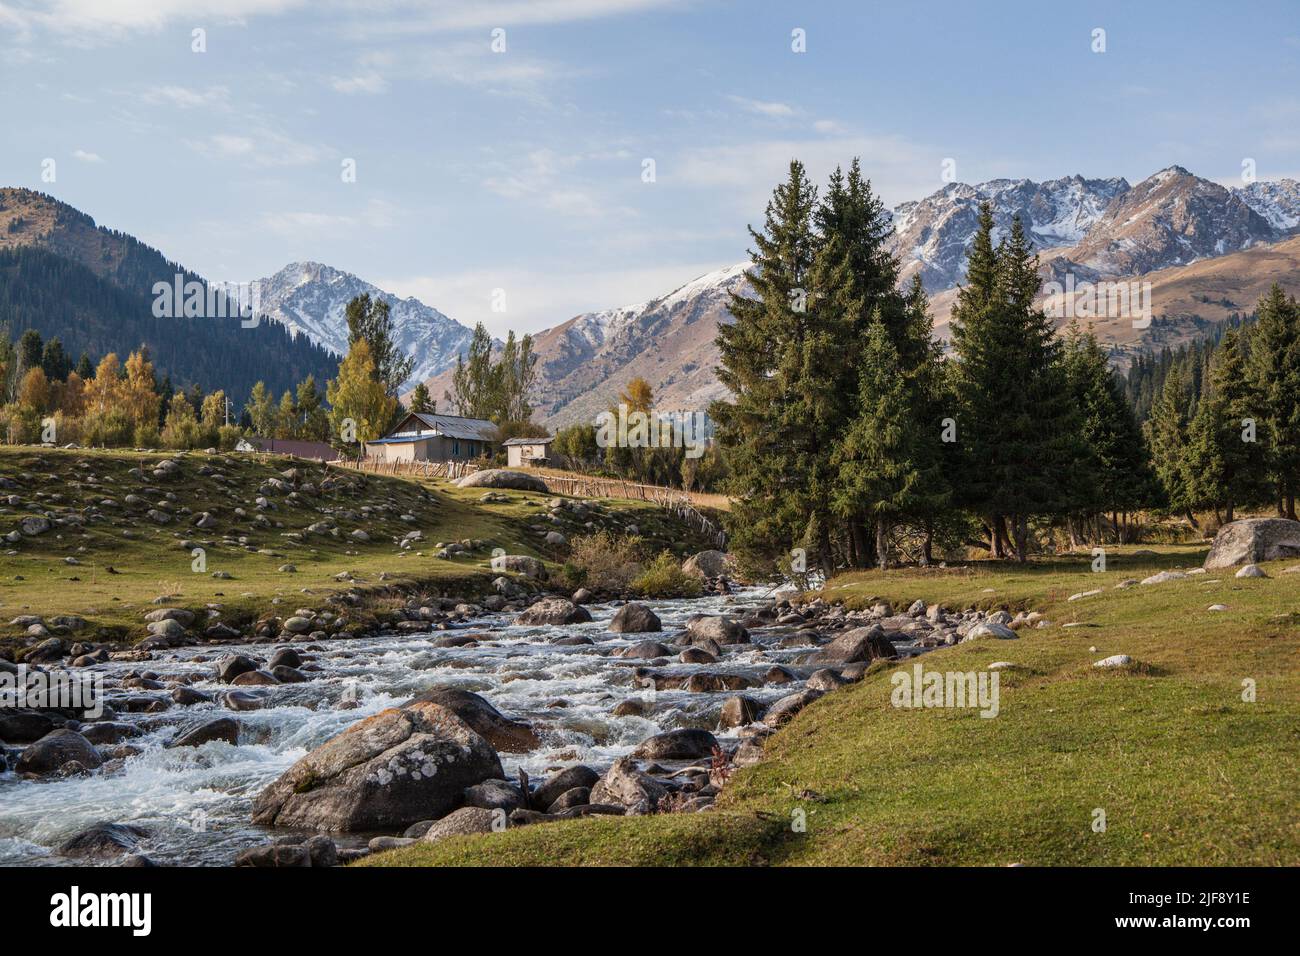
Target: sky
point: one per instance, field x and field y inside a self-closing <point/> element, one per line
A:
<point x="503" y="149"/>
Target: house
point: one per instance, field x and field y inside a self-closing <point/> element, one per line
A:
<point x="319" y="450"/>
<point x="425" y="436"/>
<point x="522" y="452"/>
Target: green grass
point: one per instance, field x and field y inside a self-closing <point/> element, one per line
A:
<point x="37" y="580"/>
<point x="1186" y="771"/>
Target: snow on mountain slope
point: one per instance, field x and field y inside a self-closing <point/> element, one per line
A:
<point x="312" y="298"/>
<point x="932" y="236"/>
<point x="1278" y="201"/>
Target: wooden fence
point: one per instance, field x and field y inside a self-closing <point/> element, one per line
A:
<point x="418" y="469"/>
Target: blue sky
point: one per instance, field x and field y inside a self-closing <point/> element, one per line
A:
<point x="522" y="170"/>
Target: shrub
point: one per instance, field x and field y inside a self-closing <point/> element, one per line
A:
<point x="604" y="560"/>
<point x="664" y="578"/>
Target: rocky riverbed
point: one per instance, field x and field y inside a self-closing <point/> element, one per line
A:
<point x="614" y="708"/>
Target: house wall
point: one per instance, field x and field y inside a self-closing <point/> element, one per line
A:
<point x="518" y="456"/>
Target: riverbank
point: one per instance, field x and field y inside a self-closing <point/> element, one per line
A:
<point x="1183" y="770"/>
<point x="103" y="537"/>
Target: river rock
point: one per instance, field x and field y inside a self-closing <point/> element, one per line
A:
<point x="684" y="744"/>
<point x="720" y="630"/>
<point x="825" y="679"/>
<point x="634" y="618"/>
<point x="231" y="666"/>
<point x="463" y="822"/>
<point x="785" y="708"/>
<point x="737" y="711"/>
<point x="625" y="786"/>
<point x="55" y="749"/>
<point x="562" y="782"/>
<point x="1253" y="540"/>
<point x="645" y="650"/>
<point x="555" y="611"/>
<point x="221" y="728"/>
<point x="503" y="478"/>
<point x="494" y="795"/>
<point x="23" y="726"/>
<point x="275" y="855"/>
<point x="103" y="840"/>
<point x="385" y="772"/>
<point x="859" y="644"/>
<point x="577" y="797"/>
<point x="509" y="736"/>
<point x="696" y="655"/>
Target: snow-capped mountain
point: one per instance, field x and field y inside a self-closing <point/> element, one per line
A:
<point x="311" y="298"/>
<point x="1278" y="201"/>
<point x="932" y="236"/>
<point x="1171" y="218"/>
<point x="668" y="341"/>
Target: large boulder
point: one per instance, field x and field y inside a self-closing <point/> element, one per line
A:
<point x="719" y="630"/>
<point x="554" y="610"/>
<point x="859" y="644"/>
<point x="219" y="728"/>
<point x="634" y="618"/>
<point x="1253" y="540"/>
<point x="707" y="564"/>
<point x="386" y="772"/>
<point x="519" y="564"/>
<point x="57" y="748"/>
<point x="503" y="478"/>
<point x="510" y="736"/>
<point x="562" y="782"/>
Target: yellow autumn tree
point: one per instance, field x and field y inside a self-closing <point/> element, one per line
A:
<point x="361" y="407"/>
<point x="140" y="398"/>
<point x="103" y="393"/>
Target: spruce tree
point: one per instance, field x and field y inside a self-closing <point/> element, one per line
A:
<point x="420" y="400"/>
<point x="1167" y="432"/>
<point x="1017" y="426"/>
<point x="770" y="359"/>
<point x="1275" y="375"/>
<point x="1226" y="461"/>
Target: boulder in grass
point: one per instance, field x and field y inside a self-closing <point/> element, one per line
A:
<point x="1253" y="540"/>
<point x="386" y="772"/>
<point x="623" y="785"/>
<point x="503" y="478"/>
<point x="1251" y="571"/>
<point x="465" y="821"/>
<point x="859" y="644"/>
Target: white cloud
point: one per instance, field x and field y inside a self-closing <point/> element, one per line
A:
<point x="362" y="83"/>
<point x="552" y="180"/>
<point x="746" y="173"/>
<point x="86" y="157"/>
<point x="763" y="108"/>
<point x="262" y="148"/>
<point x="185" y="98"/>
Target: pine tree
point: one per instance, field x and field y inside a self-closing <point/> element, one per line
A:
<point x="1167" y="434"/>
<point x="53" y="360"/>
<point x="882" y="464"/>
<point x="1226" y="462"/>
<point x="770" y="359"/>
<point x="85" y="370"/>
<point x="313" y="423"/>
<point x="1275" y="374"/>
<point x="420" y="400"/>
<point x="1017" y="428"/>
